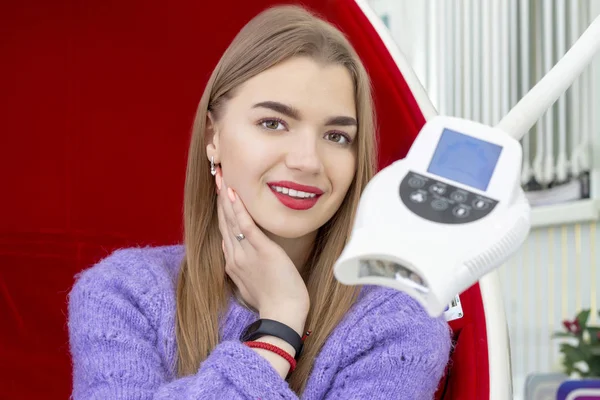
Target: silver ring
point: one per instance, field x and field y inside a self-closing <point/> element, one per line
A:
<point x="240" y="237"/>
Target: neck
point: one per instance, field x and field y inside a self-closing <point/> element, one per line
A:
<point x="297" y="249"/>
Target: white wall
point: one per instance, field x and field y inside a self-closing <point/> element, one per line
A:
<point x="555" y="274"/>
<point x="595" y="178"/>
<point x="405" y="22"/>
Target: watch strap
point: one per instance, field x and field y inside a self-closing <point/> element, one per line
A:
<point x="269" y="327"/>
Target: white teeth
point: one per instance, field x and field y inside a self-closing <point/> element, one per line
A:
<point x="294" y="193"/>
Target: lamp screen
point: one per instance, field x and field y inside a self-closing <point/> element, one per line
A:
<point x="465" y="159"/>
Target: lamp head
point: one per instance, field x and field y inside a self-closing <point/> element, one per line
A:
<point x="434" y="223"/>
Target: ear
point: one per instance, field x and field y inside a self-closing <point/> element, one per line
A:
<point x="211" y="138"/>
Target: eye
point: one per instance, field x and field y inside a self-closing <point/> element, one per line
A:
<point x="338" y="137"/>
<point x="273" y="124"/>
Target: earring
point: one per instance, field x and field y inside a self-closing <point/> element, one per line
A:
<point x="213" y="170"/>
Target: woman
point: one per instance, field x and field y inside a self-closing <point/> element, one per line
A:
<point x="282" y="147"/>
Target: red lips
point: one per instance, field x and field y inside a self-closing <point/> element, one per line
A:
<point x="297" y="186"/>
<point x="296" y="203"/>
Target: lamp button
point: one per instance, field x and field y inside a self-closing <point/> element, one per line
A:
<point x="418" y="196"/>
<point x="416" y="182"/>
<point x="461" y="211"/>
<point x="481" y="204"/>
<point x="460" y="196"/>
<point x="439" y="204"/>
<point x="438" y="188"/>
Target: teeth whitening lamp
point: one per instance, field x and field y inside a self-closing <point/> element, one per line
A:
<point x="434" y="223"/>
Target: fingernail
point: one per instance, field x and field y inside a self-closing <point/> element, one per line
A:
<point x="231" y="194"/>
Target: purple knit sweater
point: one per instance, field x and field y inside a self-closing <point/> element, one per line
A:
<point x="122" y="338"/>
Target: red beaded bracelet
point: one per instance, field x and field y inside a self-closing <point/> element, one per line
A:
<point x="280" y="352"/>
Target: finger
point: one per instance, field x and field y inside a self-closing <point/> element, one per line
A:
<point x="228" y="212"/>
<point x="245" y="226"/>
<point x="236" y="253"/>
<point x="226" y="203"/>
<point x="225" y="231"/>
<point x="244" y="221"/>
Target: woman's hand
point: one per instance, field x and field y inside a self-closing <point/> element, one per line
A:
<point x="266" y="277"/>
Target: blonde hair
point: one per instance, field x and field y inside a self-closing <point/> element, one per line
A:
<point x="273" y="36"/>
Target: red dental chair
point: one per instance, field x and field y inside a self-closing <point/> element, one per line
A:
<point x="96" y="104"/>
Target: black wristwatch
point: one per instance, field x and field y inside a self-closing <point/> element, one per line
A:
<point x="269" y="327"/>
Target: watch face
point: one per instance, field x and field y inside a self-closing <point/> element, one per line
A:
<point x="247" y="335"/>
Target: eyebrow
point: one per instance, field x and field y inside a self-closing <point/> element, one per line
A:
<point x="295" y="114"/>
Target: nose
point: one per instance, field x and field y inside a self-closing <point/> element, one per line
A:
<point x="303" y="154"/>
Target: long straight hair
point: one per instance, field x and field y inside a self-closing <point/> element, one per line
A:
<point x="273" y="36"/>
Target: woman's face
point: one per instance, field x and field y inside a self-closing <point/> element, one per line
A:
<point x="286" y="144"/>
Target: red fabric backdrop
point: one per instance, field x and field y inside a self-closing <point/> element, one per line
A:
<point x="96" y="103"/>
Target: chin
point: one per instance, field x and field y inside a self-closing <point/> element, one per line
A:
<point x="281" y="224"/>
<point x="278" y="225"/>
<point x="288" y="232"/>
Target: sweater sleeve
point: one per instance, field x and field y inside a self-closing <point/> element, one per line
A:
<point x="396" y="351"/>
<point x="115" y="349"/>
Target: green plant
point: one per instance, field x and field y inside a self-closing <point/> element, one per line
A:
<point x="580" y="346"/>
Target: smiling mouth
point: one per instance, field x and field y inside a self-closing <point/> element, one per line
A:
<point x="299" y="198"/>
<point x="297" y="194"/>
